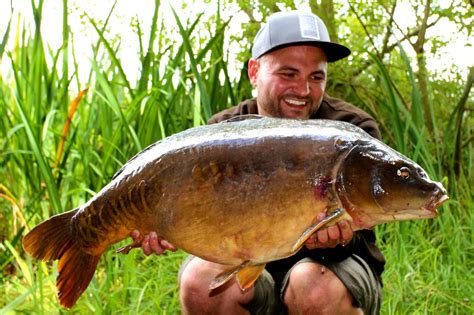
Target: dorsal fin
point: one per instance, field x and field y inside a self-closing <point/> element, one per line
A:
<point x="242" y="117"/>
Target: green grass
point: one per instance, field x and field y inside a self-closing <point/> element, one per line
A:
<point x="429" y="263"/>
<point x="122" y="285"/>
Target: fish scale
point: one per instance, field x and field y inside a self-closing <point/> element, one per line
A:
<point x="239" y="193"/>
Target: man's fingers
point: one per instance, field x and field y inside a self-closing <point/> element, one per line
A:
<point x="333" y="234"/>
<point x="146" y="245"/>
<point x="346" y="231"/>
<point x="312" y="239"/>
<point x="323" y="236"/>
<point x="167" y="246"/>
<point x="151" y="243"/>
<point x="330" y="237"/>
<point x="135" y="235"/>
<point x="155" y="245"/>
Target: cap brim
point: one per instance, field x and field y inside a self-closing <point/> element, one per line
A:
<point x="333" y="51"/>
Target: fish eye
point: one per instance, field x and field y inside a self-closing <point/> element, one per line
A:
<point x="404" y="172"/>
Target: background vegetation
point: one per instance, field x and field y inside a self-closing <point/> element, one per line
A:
<point x="63" y="137"/>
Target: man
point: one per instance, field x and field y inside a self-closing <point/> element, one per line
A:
<point x="338" y="271"/>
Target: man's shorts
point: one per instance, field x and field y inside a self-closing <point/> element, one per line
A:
<point x="354" y="272"/>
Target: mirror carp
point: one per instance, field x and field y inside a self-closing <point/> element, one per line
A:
<point x="240" y="193"/>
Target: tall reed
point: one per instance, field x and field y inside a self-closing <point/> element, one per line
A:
<point x="427" y="261"/>
<point x="56" y="153"/>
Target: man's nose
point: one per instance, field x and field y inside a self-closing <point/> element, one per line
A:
<point x="302" y="88"/>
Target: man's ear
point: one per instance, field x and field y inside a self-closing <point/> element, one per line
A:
<point x="253" y="66"/>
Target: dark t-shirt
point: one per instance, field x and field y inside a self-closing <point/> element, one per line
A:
<point x="363" y="242"/>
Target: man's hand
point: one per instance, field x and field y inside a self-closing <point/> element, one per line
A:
<point x="330" y="237"/>
<point x="151" y="243"/>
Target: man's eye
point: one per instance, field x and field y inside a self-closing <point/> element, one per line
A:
<point x="317" y="78"/>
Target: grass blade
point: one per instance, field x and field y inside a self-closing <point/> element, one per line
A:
<point x="187" y="45"/>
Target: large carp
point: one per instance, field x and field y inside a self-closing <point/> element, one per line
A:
<point x="239" y="193"/>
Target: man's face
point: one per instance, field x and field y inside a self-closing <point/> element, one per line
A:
<point x="290" y="82"/>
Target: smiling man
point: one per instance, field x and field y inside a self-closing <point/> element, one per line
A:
<point x="337" y="271"/>
<point x="290" y="81"/>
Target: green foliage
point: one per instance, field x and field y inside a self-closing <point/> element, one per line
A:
<point x="425" y="258"/>
<point x="183" y="80"/>
<point x="116" y="119"/>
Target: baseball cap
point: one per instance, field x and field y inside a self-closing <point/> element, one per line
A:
<point x="291" y="28"/>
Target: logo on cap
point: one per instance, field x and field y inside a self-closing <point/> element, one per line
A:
<point x="309" y="26"/>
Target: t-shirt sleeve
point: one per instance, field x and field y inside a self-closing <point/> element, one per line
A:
<point x="247" y="107"/>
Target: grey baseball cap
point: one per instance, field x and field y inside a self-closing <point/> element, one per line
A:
<point x="291" y="28"/>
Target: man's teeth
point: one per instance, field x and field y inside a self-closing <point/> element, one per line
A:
<point x="295" y="102"/>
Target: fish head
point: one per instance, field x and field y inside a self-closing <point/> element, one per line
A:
<point x="376" y="184"/>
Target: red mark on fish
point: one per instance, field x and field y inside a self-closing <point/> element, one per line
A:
<point x="322" y="185"/>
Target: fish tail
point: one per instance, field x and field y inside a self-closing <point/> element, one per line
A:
<point x="53" y="240"/>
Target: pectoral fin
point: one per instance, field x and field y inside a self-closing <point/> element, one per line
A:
<point x="315" y="227"/>
<point x="248" y="275"/>
<point x="225" y="276"/>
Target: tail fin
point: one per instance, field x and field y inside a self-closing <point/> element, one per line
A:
<point x="53" y="240"/>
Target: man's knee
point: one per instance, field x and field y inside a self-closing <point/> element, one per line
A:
<point x="192" y="291"/>
<point x="195" y="295"/>
<point x="313" y="288"/>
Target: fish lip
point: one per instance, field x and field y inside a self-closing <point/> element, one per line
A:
<point x="435" y="202"/>
<point x="441" y="200"/>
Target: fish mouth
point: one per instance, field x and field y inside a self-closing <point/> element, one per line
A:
<point x="427" y="211"/>
<point x="436" y="200"/>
